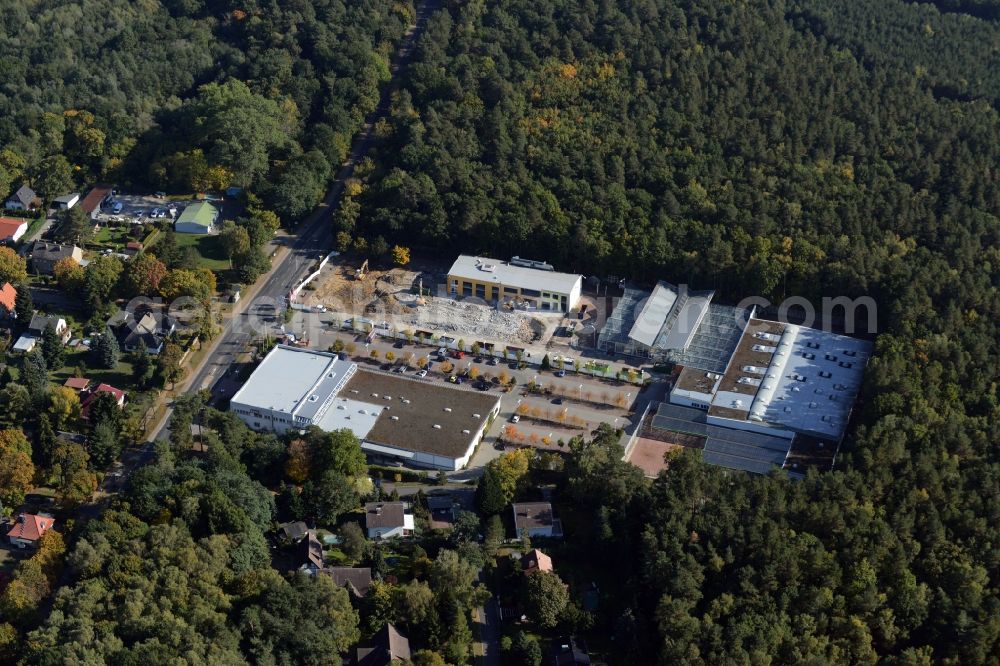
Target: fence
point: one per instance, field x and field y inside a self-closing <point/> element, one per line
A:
<point x="312" y="276"/>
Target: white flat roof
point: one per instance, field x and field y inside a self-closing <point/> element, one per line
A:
<point x="809" y="385"/>
<point x="357" y="416"/>
<point x="502" y="273"/>
<point x="650" y="320"/>
<point x="670" y="316"/>
<point x="816" y="389"/>
<point x="290" y="377"/>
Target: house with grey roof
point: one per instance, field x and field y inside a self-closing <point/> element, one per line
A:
<point x="357" y="580"/>
<point x="388" y="647"/>
<point x="45" y="256"/>
<point x="388" y="520"/>
<point x="23" y="199"/>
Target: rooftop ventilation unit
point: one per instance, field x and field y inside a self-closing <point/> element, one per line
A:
<point x="531" y="263"/>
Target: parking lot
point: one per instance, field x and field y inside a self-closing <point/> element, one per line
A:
<point x="141" y="209"/>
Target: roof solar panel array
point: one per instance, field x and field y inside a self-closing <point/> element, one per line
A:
<point x="736" y="462"/>
<point x="727" y="447"/>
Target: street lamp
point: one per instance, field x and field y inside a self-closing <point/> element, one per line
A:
<point x="581" y="391"/>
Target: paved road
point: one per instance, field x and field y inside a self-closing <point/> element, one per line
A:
<point x="313" y="240"/>
<point x="488" y="617"/>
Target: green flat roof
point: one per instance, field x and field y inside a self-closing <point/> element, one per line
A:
<point x="201" y="213"/>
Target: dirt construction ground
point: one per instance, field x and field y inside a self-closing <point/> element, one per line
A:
<point x="391" y="295"/>
<point x="647" y="455"/>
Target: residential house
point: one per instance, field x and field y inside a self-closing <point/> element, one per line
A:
<point x="534" y="519"/>
<point x="40" y="322"/>
<point x="23" y="199"/>
<point x="388" y="520"/>
<point x="293" y="532"/>
<point x="150" y="331"/>
<point x="12" y="229"/>
<point x="87" y="397"/>
<point x="77" y="383"/>
<point x="357" y="580"/>
<point x="536" y="560"/>
<point x="310" y="552"/>
<point x="66" y="201"/>
<point x="45" y="256"/>
<point x="92" y="203"/>
<point x="28" y="529"/>
<point x="388" y="646"/>
<point x="8" y="300"/>
<point x="198" y="218"/>
<point x="569" y="651"/>
<point x="442" y="510"/>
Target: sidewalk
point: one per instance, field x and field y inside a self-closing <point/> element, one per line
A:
<point x="165" y="396"/>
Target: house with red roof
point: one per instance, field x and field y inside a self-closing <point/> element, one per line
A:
<point x="77" y="383"/>
<point x="91" y="203"/>
<point x="29" y="528"/>
<point x="8" y="297"/>
<point x="87" y="397"/>
<point x="536" y="560"/>
<point x="12" y="228"/>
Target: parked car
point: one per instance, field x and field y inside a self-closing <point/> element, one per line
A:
<point x="401" y="369"/>
<point x="478" y="359"/>
<point x="557" y="401"/>
<point x="458" y="353"/>
<point x="515" y="418"/>
<point x="155" y="212"/>
<point x="560" y="373"/>
<point x="442" y="352"/>
<point x="116" y="207"/>
<point x="493" y="361"/>
<point x="422" y="373"/>
<point x="399" y="345"/>
<point x="342" y="356"/>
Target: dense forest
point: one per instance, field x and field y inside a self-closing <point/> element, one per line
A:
<point x="190" y="95"/>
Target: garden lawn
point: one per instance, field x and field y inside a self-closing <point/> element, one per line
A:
<point x="120" y="377"/>
<point x="209" y="247"/>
